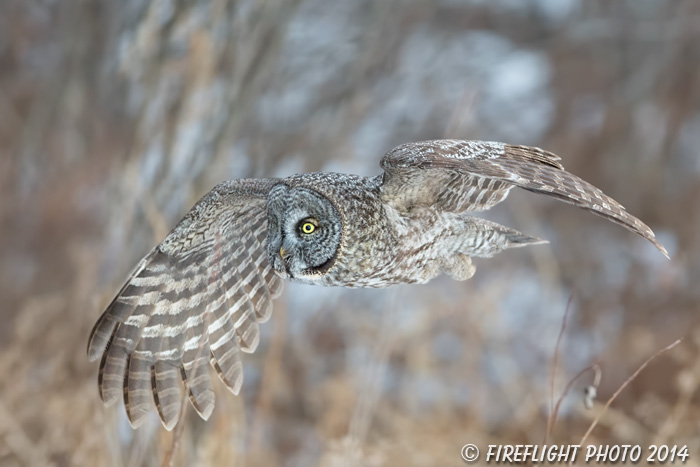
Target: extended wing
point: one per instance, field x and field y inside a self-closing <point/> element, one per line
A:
<point x="461" y="176"/>
<point x="196" y="298"/>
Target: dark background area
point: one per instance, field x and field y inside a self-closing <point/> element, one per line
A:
<point x="115" y="117"/>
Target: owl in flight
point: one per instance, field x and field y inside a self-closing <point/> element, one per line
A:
<point x="198" y="297"/>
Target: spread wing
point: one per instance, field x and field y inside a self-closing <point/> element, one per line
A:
<point x="461" y="176"/>
<point x="196" y="298"/>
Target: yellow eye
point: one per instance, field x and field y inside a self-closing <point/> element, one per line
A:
<point x="308" y="228"/>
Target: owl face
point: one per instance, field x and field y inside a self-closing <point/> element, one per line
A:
<point x="304" y="232"/>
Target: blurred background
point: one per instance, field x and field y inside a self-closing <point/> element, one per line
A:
<point x="115" y="117"/>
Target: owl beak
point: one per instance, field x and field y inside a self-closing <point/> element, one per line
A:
<point x="284" y="264"/>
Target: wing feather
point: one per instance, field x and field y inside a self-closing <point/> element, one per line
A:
<point x="194" y="300"/>
<point x="226" y="356"/>
<point x="462" y="176"/>
<point x="110" y="376"/>
<point x="138" y="395"/>
<point x="167" y="395"/>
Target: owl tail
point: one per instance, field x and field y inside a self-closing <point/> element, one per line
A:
<point x="485" y="238"/>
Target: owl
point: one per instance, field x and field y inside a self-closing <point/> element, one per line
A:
<point x="198" y="297"/>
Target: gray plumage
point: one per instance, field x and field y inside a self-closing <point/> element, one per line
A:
<point x="198" y="297"/>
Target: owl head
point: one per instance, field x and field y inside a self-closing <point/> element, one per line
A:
<point x="304" y="232"/>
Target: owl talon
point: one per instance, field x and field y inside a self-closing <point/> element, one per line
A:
<point x="459" y="267"/>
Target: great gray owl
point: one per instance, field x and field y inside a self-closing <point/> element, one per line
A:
<point x="197" y="298"/>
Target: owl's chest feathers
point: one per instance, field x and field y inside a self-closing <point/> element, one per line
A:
<point x="389" y="249"/>
<point x="421" y="243"/>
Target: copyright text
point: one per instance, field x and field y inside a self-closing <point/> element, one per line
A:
<point x="564" y="454"/>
